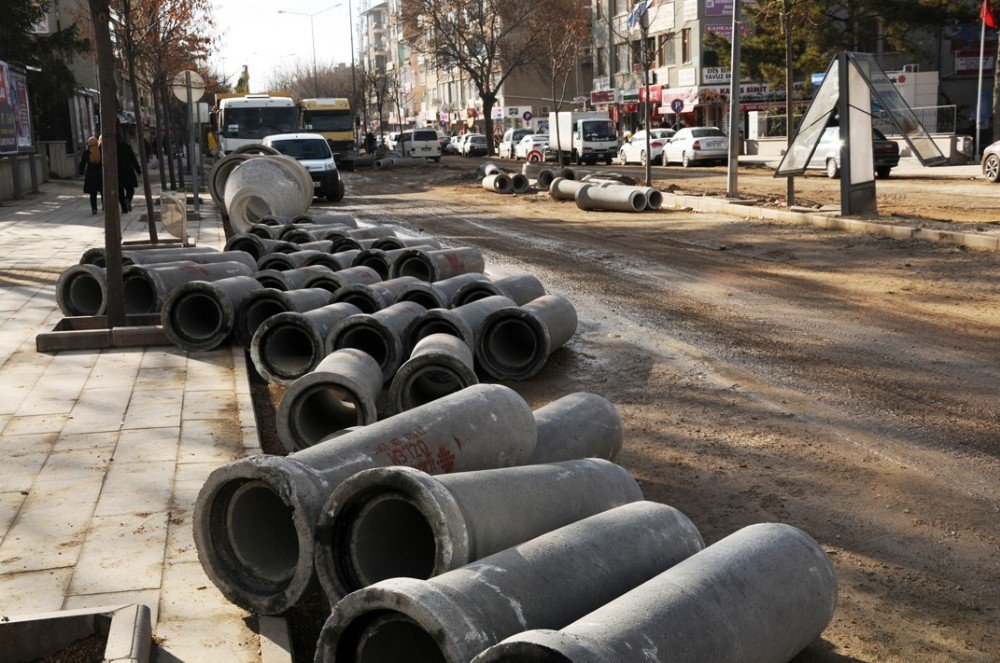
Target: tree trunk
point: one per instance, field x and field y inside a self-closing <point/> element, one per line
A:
<point x="168" y="145"/>
<point x="159" y="138"/>
<point x="147" y="188"/>
<point x="489" y="101"/>
<point x="996" y="98"/>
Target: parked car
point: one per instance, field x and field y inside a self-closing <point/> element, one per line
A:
<point x="991" y="162"/>
<point x="634" y="149"/>
<point x="419" y="143"/>
<point x="463" y="143"/>
<point x="531" y="142"/>
<point x="442" y="140"/>
<point x="475" y="145"/>
<point x="451" y="147"/>
<point x="313" y="152"/>
<point x="510" y="140"/>
<point x="827" y="153"/>
<point x="391" y="138"/>
<point x="693" y="145"/>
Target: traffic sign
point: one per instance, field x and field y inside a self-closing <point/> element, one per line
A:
<point x="527" y="116"/>
<point x="179" y="86"/>
<point x="677" y="105"/>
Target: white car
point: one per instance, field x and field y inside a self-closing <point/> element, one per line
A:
<point x="419" y="143"/>
<point x="391" y="138"/>
<point x="634" y="149"/>
<point x="510" y="140"/>
<point x="313" y="152"/>
<point x="693" y="145"/>
<point x="532" y="142"/>
<point x="463" y="147"/>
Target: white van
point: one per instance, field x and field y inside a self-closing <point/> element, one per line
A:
<point x="419" y="143"/>
<point x="313" y="152"/>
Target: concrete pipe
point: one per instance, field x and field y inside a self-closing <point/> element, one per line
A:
<point x="531" y="170"/>
<point x="519" y="183"/>
<point x="490" y="168"/>
<point x="271" y="185"/>
<point x="463" y="322"/>
<point x="258" y="247"/>
<point x="275" y="220"/>
<point x="206" y="258"/>
<point x="256" y="149"/>
<point x="266" y="303"/>
<point x="654" y="197"/>
<point x="611" y="198"/>
<point x="364" y="161"/>
<point x="289" y="345"/>
<point x="545" y="178"/>
<point x="498" y="183"/>
<point x="579" y="425"/>
<point x="553" y="579"/>
<point x="341" y="392"/>
<point x="145" y="288"/>
<point x="264" y="231"/>
<point x="439" y="365"/>
<point x="200" y="315"/>
<point x="762" y="594"/>
<point x="82" y="290"/>
<point x="334" y="281"/>
<point x="326" y="218"/>
<point x="375" y="296"/>
<point x="254" y="519"/>
<point x="381" y="334"/>
<point x="522" y="288"/>
<point x="425" y="294"/>
<point x="567" y="174"/>
<point x="339" y="244"/>
<point x="382" y="260"/>
<point x="427" y="526"/>
<point x="305" y="258"/>
<point x="289" y="279"/>
<point x="438" y="265"/>
<point x="323" y="245"/>
<point x="297" y="235"/>
<point x="514" y="343"/>
<point x="145" y="256"/>
<point x="449" y="287"/>
<point x="220" y="173"/>
<point x="392" y="243"/>
<point x="564" y="189"/>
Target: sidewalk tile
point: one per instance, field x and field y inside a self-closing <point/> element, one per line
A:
<point x="40" y="423"/>
<point x="206" y="641"/>
<point x="99" y="409"/>
<point x="9" y="504"/>
<point x="148" y="445"/>
<point x="71" y="441"/>
<point x="188" y="480"/>
<point x="209" y="405"/>
<point x="209" y="441"/>
<point x="17" y="473"/>
<point x="147" y="597"/>
<point x="136" y="488"/>
<point x="76" y="465"/>
<point x="36" y="591"/>
<point x="157" y="377"/>
<point x="121" y="553"/>
<point x="180" y="537"/>
<point x="154" y="408"/>
<point x="188" y="594"/>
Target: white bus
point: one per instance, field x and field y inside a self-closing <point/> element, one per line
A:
<point x="247" y="119"/>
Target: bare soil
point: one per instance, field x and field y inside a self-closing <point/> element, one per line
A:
<point x="846" y="384"/>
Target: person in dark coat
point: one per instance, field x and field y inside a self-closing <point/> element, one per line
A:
<point x="91" y="169"/>
<point x="128" y="167"/>
<point x="370" y="143"/>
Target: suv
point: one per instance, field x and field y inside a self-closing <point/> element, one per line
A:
<point x="510" y="140"/>
<point x="419" y="143"/>
<point x="313" y="152"/>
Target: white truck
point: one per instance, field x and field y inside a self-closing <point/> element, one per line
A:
<point x="247" y="119"/>
<point x="583" y="137"/>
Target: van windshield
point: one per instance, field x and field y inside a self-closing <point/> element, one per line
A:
<point x="303" y="149"/>
<point x="328" y="120"/>
<point x="257" y="122"/>
<point x="599" y="130"/>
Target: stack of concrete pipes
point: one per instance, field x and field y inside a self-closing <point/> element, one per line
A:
<point x="473" y="529"/>
<point x="250" y="186"/>
<point x="397" y="160"/>
<point x="532" y="176"/>
<point x="606" y="194"/>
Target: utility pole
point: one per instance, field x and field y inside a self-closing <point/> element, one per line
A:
<point x="786" y="25"/>
<point x="732" y="188"/>
<point x="646" y="61"/>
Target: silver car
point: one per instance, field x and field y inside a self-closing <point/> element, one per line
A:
<point x="693" y="145"/>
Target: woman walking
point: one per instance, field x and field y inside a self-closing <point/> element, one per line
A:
<point x="90" y="168"/>
<point x="128" y="166"/>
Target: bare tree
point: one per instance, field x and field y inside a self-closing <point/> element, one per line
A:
<point x="332" y="80"/>
<point x="376" y="86"/>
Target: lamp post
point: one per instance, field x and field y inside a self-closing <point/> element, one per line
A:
<point x="312" y="31"/>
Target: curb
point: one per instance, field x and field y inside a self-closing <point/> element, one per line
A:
<point x="974" y="241"/>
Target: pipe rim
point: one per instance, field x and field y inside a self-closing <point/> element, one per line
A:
<point x="272" y="279"/>
<point x="423" y="294"/>
<point x="273" y="331"/>
<point x="541" y="646"/>
<point x="364" y="329"/>
<point x="298" y="401"/>
<point x="329" y="282"/>
<point x="511" y="320"/>
<point x="416" y="264"/>
<point x="82" y="281"/>
<point x="471" y="292"/>
<point x="139" y="293"/>
<point x="431" y="366"/>
<point x="362" y="296"/>
<point x="259" y="307"/>
<point x="250" y="244"/>
<point x="197" y="294"/>
<point x="439" y="321"/>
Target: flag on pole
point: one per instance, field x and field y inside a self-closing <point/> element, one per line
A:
<point x="638" y="10"/>
<point x="987" y="15"/>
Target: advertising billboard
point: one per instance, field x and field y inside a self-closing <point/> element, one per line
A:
<point x="8" y="118"/>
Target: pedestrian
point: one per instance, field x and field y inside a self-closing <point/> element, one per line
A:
<point x="370" y="143"/>
<point x="128" y="167"/>
<point x="91" y="167"/>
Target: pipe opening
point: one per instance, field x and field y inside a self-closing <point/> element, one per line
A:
<point x="379" y="264"/>
<point x="654" y="200"/>
<point x="369" y="340"/>
<point x="396" y="638"/>
<point x="271" y="281"/>
<point x="138" y="295"/>
<point x="260" y="531"/>
<point x="475" y="293"/>
<point x="429" y="384"/>
<point x="197" y="316"/>
<point x="247" y="246"/>
<point x="256" y="312"/>
<point x="256" y="208"/>
<point x="425" y="299"/>
<point x="390" y="538"/>
<point x="86" y="297"/>
<point x="322" y="410"/>
<point x="533" y="654"/>
<point x="287" y="351"/>
<point x="414" y="266"/>
<point x="328" y="283"/>
<point x="362" y="300"/>
<point x="435" y="326"/>
<point x="511" y="343"/>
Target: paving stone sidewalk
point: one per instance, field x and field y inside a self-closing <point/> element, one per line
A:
<point x="103" y="452"/>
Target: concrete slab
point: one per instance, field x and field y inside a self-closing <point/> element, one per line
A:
<point x="206" y="641"/>
<point x="209" y="405"/>
<point x="121" y="553"/>
<point x="214" y="441"/>
<point x="180" y="538"/>
<point x="9" y="505"/>
<point x="71" y="441"/>
<point x="76" y="465"/>
<point x="189" y="595"/>
<point x="134" y="488"/>
<point x="42" y="423"/>
<point x="147" y="597"/>
<point x="99" y="409"/>
<point x="148" y="445"/>
<point x="154" y="408"/>
<point x="17" y="473"/>
<point x="35" y="591"/>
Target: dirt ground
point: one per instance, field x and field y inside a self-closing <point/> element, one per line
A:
<point x="846" y="384"/>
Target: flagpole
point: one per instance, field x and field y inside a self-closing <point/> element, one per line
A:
<point x="979" y="89"/>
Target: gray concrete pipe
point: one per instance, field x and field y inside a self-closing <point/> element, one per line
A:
<point x="95" y="256"/>
<point x="514" y="343"/>
<point x="490" y="168"/>
<point x="271" y="185"/>
<point x="375" y="296"/>
<point x="294" y="260"/>
<point x="220" y="173"/>
<point x="145" y="288"/>
<point x="549" y="581"/>
<point x="290" y="279"/>
<point x="449" y="287"/>
<point x="498" y="183"/>
<point x="326" y="218"/>
<point x="341" y="392"/>
<point x="381" y="334"/>
<point x="567" y="174"/>
<point x="578" y="425"/>
<point x="275" y="220"/>
<point x="289" y="345"/>
<point x="382" y="260"/>
<point x="200" y="315"/>
<point x="258" y="247"/>
<point x="268" y="302"/>
<point x="254" y="519"/>
<point x="654" y="197"/>
<point x="350" y="244"/>
<point x="264" y="231"/>
<point x="425" y="294"/>
<point x="761" y="595"/>
<point x="334" y="281"/>
<point x="463" y="322"/>
<point x="199" y="258"/>
<point x="522" y="288"/>
<point x="370" y="232"/>
<point x="400" y="522"/>
<point x="440" y="364"/>
<point x="391" y="243"/>
<point x="323" y="245"/>
<point x="438" y="265"/>
<point x="614" y="198"/>
<point x="544" y="179"/>
<point x="82" y="290"/>
<point x="519" y="183"/>
<point x="564" y="189"/>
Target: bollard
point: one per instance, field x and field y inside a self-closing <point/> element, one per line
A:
<point x="145" y="288"/>
<point x="266" y="303"/>
<point x="381" y="334"/>
<point x="258" y="247"/>
<point x="463" y="322"/>
<point x="390" y="243"/>
<point x="289" y="345"/>
<point x="289" y="279"/>
<point x="382" y="260"/>
<point x="613" y="198"/>
<point x="438" y="265"/>
<point x="254" y="519"/>
<point x="579" y="425"/>
<point x="514" y="343"/>
<point x="549" y="581"/>
<point x="519" y="183"/>
<point x="82" y="290"/>
<point x="565" y="189"/>
<point x="426" y="526"/>
<point x="200" y="315"/>
<point x="522" y="288"/>
<point x="341" y="392"/>
<point x="439" y="365"/>
<point x="375" y="296"/>
<point x="762" y="594"/>
<point x="499" y="183"/>
<point x="334" y="281"/>
<point x="448" y="287"/>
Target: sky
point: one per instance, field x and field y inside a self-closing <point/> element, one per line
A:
<point x="253" y="33"/>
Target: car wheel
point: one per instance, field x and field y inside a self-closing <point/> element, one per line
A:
<point x="621" y="158"/>
<point x="832" y="171"/>
<point x="663" y="158"/>
<point x="991" y="168"/>
<point x="577" y="158"/>
<point x="883" y="172"/>
<point x="685" y="160"/>
<point x="437" y="159"/>
<point x="607" y="160"/>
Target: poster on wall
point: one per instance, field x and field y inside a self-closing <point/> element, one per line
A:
<point x="22" y="112"/>
<point x="8" y="121"/>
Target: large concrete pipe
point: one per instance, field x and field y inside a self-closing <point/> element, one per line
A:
<point x="264" y="231"/>
<point x="375" y="296"/>
<point x="381" y="260"/>
<point x="519" y="183"/>
<point x="340" y="393"/>
<point x="263" y="186"/>
<point x="448" y="287"/>
<point x="760" y="595"/>
<point x="299" y="235"/>
<point x="612" y="198"/>
<point x="322" y="217"/>
<point x="544" y="179"/>
<point x="258" y="247"/>
<point x="82" y="290"/>
<point x="266" y="303"/>
<point x="425" y="294"/>
<point x="564" y="189"/>
<point x="220" y="173"/>
<point x="323" y="245"/>
<point x="553" y="579"/>
<point x="440" y="264"/>
<point x="514" y="343"/>
<point x="426" y="526"/>
<point x="498" y="183"/>
<point x="289" y="345"/>
<point x="95" y="256"/>
<point x="200" y="315"/>
<point x="381" y="334"/>
<point x="350" y="244"/>
<point x="254" y="519"/>
<point x="578" y="425"/>
<point x="490" y="168"/>
<point x="567" y="174"/>
<point x="283" y="261"/>
<point x="369" y="232"/>
<point x="522" y="288"/>
<point x="145" y="288"/>
<point x="207" y="258"/>
<point x="290" y="279"/>
<point x="463" y="322"/>
<point x="440" y="364"/>
<point x="654" y="197"/>
<point x="334" y="281"/>
<point x="391" y="243"/>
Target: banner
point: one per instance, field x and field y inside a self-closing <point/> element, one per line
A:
<point x="22" y="113"/>
<point x="8" y="120"/>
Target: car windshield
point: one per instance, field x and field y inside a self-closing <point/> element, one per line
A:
<point x="328" y="121"/>
<point x="242" y="122"/>
<point x="707" y="133"/>
<point x="599" y="130"/>
<point x="478" y="140"/>
<point x="303" y="149"/>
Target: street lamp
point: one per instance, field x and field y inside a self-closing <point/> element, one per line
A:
<point x="312" y="30"/>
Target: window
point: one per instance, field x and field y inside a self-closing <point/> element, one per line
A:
<point x="665" y="55"/>
<point x="623" y="58"/>
<point x="686" y="45"/>
<point x="601" y="57"/>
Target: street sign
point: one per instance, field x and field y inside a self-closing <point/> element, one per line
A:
<point x="677" y="105"/>
<point x="527" y="116"/>
<point x="179" y="86"/>
<point x="580" y="100"/>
